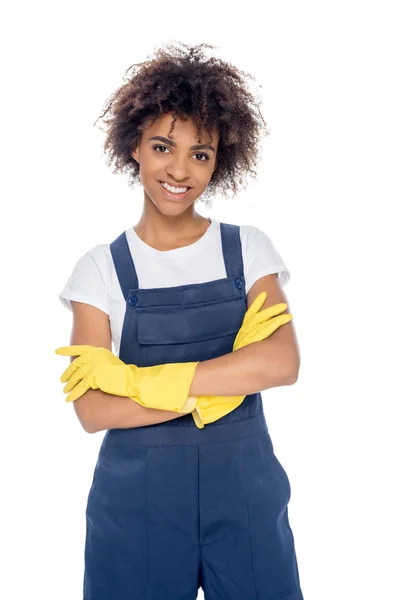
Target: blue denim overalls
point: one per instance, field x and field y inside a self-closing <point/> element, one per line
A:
<point x="173" y="508"/>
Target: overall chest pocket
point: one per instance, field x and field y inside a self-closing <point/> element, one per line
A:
<point x="190" y="324"/>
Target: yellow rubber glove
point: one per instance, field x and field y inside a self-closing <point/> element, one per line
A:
<point x="257" y="325"/>
<point x="165" y="387"/>
<point x="98" y="368"/>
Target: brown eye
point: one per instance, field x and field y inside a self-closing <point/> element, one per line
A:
<point x="205" y="156"/>
<point x="160" y="146"/>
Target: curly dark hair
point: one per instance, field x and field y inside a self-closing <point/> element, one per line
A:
<point x="186" y="83"/>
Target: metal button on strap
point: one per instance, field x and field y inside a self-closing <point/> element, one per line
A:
<point x="238" y="283"/>
<point x="133" y="300"/>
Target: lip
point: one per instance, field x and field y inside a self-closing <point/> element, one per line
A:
<point x="173" y="196"/>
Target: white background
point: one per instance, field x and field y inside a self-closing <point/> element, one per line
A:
<point x="326" y="193"/>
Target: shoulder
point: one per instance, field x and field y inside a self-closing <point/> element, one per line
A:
<point x="96" y="258"/>
<point x="253" y="238"/>
<point x="97" y="263"/>
<point x="99" y="253"/>
<point x="260" y="256"/>
<point x="256" y="241"/>
<point x="89" y="281"/>
<point x="249" y="232"/>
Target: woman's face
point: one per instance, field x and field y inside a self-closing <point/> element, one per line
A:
<point x="174" y="160"/>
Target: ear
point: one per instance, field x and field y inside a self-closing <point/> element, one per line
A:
<point x="135" y="154"/>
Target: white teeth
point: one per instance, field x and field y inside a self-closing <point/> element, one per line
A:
<point x="174" y="190"/>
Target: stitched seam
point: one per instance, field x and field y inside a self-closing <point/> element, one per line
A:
<point x="238" y="420"/>
<point x="248" y="521"/>
<point x="195" y="444"/>
<point x="146" y="540"/>
<point x="182" y="445"/>
<point x="198" y="505"/>
<point x="186" y="287"/>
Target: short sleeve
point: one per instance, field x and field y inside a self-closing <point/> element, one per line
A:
<point x="87" y="283"/>
<point x="261" y="257"/>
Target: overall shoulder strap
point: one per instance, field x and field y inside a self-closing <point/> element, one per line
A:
<point x="124" y="264"/>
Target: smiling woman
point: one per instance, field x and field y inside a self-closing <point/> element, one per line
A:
<point x="178" y="174"/>
<point x="174" y="294"/>
<point x="181" y="80"/>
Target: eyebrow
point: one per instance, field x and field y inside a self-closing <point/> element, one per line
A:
<point x="171" y="143"/>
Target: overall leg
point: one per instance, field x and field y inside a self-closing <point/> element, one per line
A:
<point x="246" y="543"/>
<point x="141" y="541"/>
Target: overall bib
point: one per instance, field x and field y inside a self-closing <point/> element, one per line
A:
<point x="173" y="508"/>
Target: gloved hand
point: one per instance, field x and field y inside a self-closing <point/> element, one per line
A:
<point x="165" y="387"/>
<point x="98" y="368"/>
<point x="257" y="325"/>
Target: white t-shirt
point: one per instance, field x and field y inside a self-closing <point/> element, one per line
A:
<point x="94" y="279"/>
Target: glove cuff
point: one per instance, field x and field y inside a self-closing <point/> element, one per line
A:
<point x="189" y="405"/>
<point x="197" y="418"/>
<point x="166" y="387"/>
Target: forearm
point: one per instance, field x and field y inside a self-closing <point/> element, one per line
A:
<point x="98" y="411"/>
<point x="256" y="367"/>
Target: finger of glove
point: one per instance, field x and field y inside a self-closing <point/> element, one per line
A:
<point x="75" y="350"/>
<point x="251" y="312"/>
<point x="254" y="307"/>
<point x="74" y="380"/>
<point x="267" y="328"/>
<point x="247" y="332"/>
<point x="256" y="319"/>
<point x="262" y="331"/>
<point x="78" y="391"/>
<point x="267" y="313"/>
<point x="101" y="358"/>
<point x="77" y="363"/>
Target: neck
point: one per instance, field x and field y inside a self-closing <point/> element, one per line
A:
<point x="157" y="229"/>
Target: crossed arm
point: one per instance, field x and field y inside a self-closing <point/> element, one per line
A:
<point x="262" y="365"/>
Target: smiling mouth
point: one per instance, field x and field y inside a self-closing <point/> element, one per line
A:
<point x="175" y="186"/>
<point x="175" y="194"/>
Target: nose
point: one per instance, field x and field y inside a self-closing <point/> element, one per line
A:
<point x="178" y="169"/>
